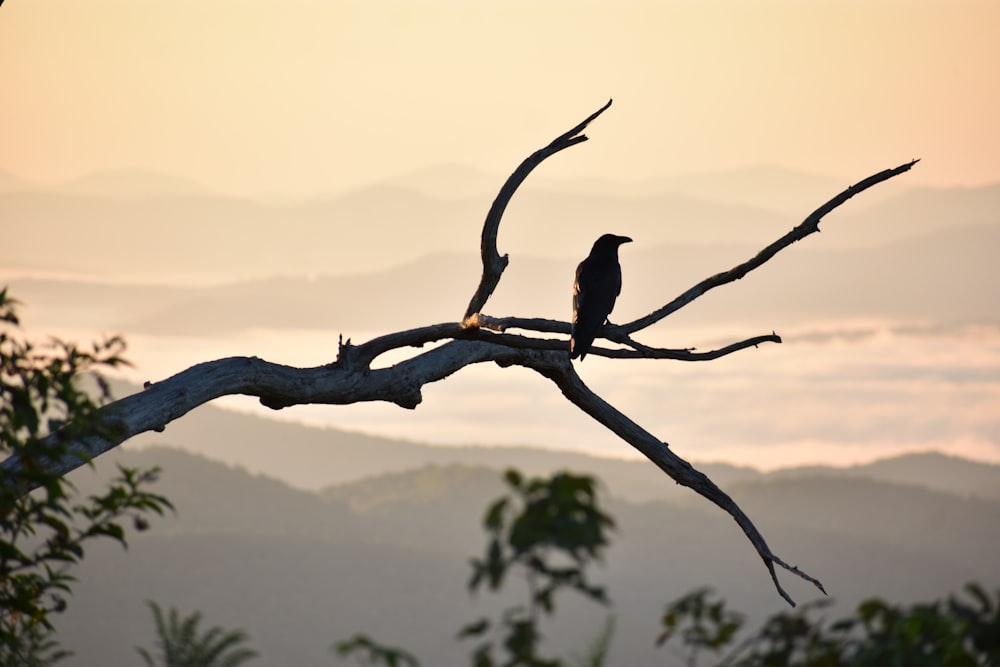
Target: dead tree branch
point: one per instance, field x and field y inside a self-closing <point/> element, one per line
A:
<point x="804" y="229"/>
<point x="493" y="263"/>
<point x="452" y="346"/>
<point x="560" y="370"/>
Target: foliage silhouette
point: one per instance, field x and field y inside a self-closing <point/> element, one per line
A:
<point x="550" y="531"/>
<point x="42" y="534"/>
<point x="961" y="631"/>
<point x="181" y="643"/>
<point x="373" y="653"/>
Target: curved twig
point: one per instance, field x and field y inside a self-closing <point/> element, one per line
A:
<point x="493" y="263"/>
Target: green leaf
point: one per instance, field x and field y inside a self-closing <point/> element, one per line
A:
<point x="474" y="629"/>
<point x="374" y="652"/>
<point x="513" y="478"/>
<point x="493" y="520"/>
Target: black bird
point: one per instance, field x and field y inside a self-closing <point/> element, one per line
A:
<point x="598" y="283"/>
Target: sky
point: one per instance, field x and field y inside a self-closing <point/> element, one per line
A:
<point x="294" y="98"/>
<point x="298" y="97"/>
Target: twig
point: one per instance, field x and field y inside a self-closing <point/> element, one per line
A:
<point x="493" y="263"/>
<point x="561" y="371"/>
<point x="501" y="325"/>
<point x="804" y="229"/>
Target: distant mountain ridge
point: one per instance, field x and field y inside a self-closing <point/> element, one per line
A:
<point x="318" y="458"/>
<point x="129" y="184"/>
<point x="760" y="184"/>
<point x="11" y="183"/>
<point x="388" y="555"/>
<point x="145" y="224"/>
<point x="944" y="276"/>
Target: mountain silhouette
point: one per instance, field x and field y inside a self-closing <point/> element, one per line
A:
<point x="388" y="555"/>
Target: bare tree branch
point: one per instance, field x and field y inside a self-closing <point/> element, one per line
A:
<point x="638" y="351"/>
<point x="611" y="332"/>
<point x="560" y="370"/>
<point x="804" y="229"/>
<point x="452" y="346"/>
<point x="493" y="263"/>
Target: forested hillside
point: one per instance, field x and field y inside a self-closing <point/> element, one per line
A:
<point x="388" y="554"/>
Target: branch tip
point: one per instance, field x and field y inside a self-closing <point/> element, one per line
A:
<point x="808" y="226"/>
<point x="493" y="263"/>
<point x="579" y="128"/>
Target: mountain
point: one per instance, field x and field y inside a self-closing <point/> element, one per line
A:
<point x="939" y="275"/>
<point x="902" y="512"/>
<point x="315" y="459"/>
<point x="449" y="181"/>
<point x="129" y="184"/>
<point x="943" y="276"/>
<point x="925" y="209"/>
<point x="772" y="188"/>
<point x="388" y="555"/>
<point x="297" y="570"/>
<point x="367" y="230"/>
<point x="767" y="187"/>
<point x="11" y="183"/>
<point x="149" y="226"/>
<point x="213" y="237"/>
<point x="930" y="470"/>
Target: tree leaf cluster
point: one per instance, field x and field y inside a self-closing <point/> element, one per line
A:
<point x="373" y="653"/>
<point x="549" y="531"/>
<point x="560" y="517"/>
<point x="960" y="631"/>
<point x="180" y="642"/>
<point x="44" y="406"/>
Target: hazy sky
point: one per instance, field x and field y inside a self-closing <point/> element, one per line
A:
<point x="300" y="96"/>
<point x="292" y="97"/>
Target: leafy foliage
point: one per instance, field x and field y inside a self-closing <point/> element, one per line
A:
<point x="597" y="652"/>
<point x="550" y="531"/>
<point x="701" y="622"/>
<point x="43" y="409"/>
<point x="962" y="631"/>
<point x="180" y="642"/>
<point x="374" y="653"/>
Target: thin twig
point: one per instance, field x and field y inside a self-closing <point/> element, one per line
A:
<point x="501" y="325"/>
<point x="494" y="263"/>
<point x="804" y="229"/>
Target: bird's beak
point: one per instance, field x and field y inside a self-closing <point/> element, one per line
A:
<point x="624" y="239"/>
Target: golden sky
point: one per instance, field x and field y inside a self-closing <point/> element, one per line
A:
<point x="303" y="96"/>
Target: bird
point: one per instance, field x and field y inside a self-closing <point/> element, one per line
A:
<point x="598" y="283"/>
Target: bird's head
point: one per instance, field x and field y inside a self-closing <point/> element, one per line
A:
<point x="610" y="242"/>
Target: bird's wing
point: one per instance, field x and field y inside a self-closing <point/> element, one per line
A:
<point x="578" y="291"/>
